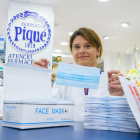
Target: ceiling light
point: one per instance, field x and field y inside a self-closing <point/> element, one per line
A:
<point x="70" y="33"/>
<point x="103" y="0"/>
<point x="127" y="51"/>
<point x="57" y="50"/>
<point x="136" y="48"/>
<point x="106" y="37"/>
<point x="125" y="24"/>
<point x="64" y="43"/>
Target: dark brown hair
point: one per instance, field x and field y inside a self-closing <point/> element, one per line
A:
<point x="90" y="35"/>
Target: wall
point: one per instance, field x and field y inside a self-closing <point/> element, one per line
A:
<point x="124" y="64"/>
<point x="131" y="59"/>
<point x="111" y="62"/>
<point x="138" y="57"/>
<point x="131" y="62"/>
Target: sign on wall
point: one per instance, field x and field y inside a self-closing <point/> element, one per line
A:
<point x="29" y="36"/>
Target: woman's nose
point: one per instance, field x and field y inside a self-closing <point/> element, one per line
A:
<point x="82" y="50"/>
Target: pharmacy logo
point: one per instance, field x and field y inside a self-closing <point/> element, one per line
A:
<point x="29" y="32"/>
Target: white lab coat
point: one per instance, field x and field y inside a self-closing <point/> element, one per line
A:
<point x="77" y="94"/>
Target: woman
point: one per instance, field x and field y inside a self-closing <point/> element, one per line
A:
<point x="85" y="46"/>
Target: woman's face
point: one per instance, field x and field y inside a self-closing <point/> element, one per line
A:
<point x="83" y="52"/>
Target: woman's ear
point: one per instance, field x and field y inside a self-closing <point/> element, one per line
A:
<point x="99" y="50"/>
<point x="71" y="52"/>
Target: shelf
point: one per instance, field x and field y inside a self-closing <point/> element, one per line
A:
<point x="55" y="62"/>
<point x="1" y="69"/>
<point x="2" y="51"/>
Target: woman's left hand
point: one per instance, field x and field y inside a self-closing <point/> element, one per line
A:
<point x="114" y="85"/>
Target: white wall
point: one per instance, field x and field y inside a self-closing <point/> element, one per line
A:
<point x="132" y="63"/>
<point x="124" y="64"/>
<point x="111" y="62"/>
<point x="63" y="55"/>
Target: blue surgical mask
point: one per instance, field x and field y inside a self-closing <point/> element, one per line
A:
<point x="78" y="76"/>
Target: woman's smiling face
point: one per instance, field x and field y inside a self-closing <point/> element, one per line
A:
<point x="83" y="52"/>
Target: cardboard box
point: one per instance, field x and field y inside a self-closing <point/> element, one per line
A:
<point x="25" y="114"/>
<point x="28" y="102"/>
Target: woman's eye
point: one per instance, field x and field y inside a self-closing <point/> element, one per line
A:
<point x="88" y="46"/>
<point x="76" y="47"/>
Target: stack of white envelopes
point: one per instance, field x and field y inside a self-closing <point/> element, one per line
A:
<point x="109" y="113"/>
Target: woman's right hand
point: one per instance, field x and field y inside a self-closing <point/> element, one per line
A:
<point x="41" y="63"/>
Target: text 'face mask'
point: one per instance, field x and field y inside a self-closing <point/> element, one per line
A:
<point x="78" y="76"/>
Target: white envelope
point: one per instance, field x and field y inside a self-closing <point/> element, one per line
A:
<point x="26" y="82"/>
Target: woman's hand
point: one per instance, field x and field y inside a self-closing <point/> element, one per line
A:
<point x="114" y="85"/>
<point x="41" y="63"/>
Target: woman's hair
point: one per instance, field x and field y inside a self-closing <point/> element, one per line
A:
<point x="90" y="35"/>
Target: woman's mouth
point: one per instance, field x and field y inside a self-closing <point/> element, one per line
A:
<point x="82" y="57"/>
